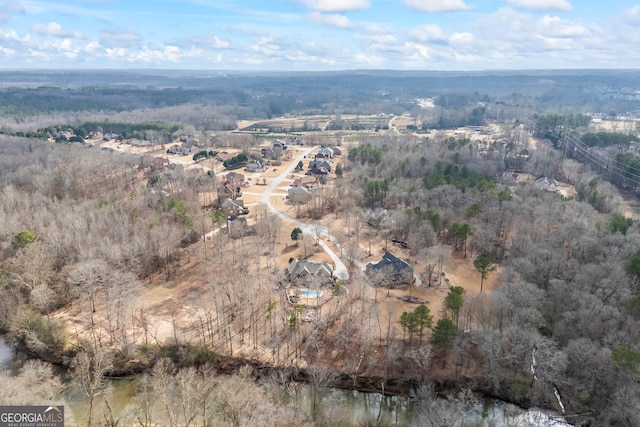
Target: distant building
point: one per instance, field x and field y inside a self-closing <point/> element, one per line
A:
<point x="232" y="207"/>
<point x="546" y="183"/>
<point x="238" y="227"/>
<point x="277" y="143"/>
<point x="255" y="166"/>
<point x="110" y="136"/>
<point x="321" y="163"/>
<point x="325" y="153"/>
<point x="307" y="181"/>
<point x="234" y="179"/>
<point x="299" y="195"/>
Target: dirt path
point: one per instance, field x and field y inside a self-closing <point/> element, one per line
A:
<point x="340" y="269"/>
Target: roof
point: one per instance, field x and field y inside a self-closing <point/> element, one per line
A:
<point x="228" y="203"/>
<point x="298" y="267"/>
<point x="305" y="180"/>
<point x="234" y="177"/>
<point x="319" y="171"/>
<point x="327" y="152"/>
<point x="320" y="163"/>
<point x="390" y="264"/>
<point x="298" y="190"/>
<point x="547" y="183"/>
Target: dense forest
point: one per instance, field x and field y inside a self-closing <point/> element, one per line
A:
<point x="87" y="232"/>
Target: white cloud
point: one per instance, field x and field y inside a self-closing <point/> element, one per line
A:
<point x="541" y="4"/>
<point x="363" y="59"/>
<point x="118" y="52"/>
<point x="216" y="42"/>
<point x="209" y="41"/>
<point x="381" y="43"/>
<point x="54" y="29"/>
<point x="304" y="57"/>
<point x="92" y="47"/>
<point x="434" y="6"/>
<point x="633" y="14"/>
<point x="10" y="8"/>
<point x="7" y="52"/>
<point x="336" y="5"/>
<point x="119" y="38"/>
<point x="427" y="33"/>
<point x="332" y="20"/>
<point x="64" y="47"/>
<point x="12" y="35"/>
<point x="461" y="38"/>
<point x="556" y="27"/>
<point x="267" y="46"/>
<point x="417" y="52"/>
<point x="376" y="28"/>
<point x="506" y="30"/>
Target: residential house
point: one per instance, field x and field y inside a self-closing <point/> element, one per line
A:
<point x="325" y="153"/>
<point x="337" y="151"/>
<point x="238" y="227"/>
<point x="309" y="182"/>
<point x="318" y="171"/>
<point x="299" y="195"/>
<point x="376" y="217"/>
<point x="232" y="207"/>
<point x="255" y="166"/>
<point x="159" y="164"/>
<point x="272" y="153"/>
<point x="176" y="149"/>
<point x="321" y="163"/>
<point x="546" y="183"/>
<point x="268" y="153"/>
<point x="391" y="270"/>
<point x="235" y="179"/>
<point x="300" y="269"/>
<point x="232" y="186"/>
<point x="189" y="139"/>
<point x="64" y="134"/>
<point x="277" y="143"/>
<point x="94" y="134"/>
<point x="110" y="136"/>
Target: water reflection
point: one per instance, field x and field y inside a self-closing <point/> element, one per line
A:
<point x="346" y="406"/>
<point x="6" y="354"/>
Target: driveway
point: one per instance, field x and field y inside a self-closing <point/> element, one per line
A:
<point x="308" y="229"/>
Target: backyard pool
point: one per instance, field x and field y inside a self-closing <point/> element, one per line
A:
<point x="309" y="293"/>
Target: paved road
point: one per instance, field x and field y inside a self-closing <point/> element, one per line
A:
<point x="308" y="229"/>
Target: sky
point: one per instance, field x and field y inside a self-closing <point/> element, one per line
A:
<point x="319" y="35"/>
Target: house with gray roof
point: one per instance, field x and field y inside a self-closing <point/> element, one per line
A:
<point x="299" y="195"/>
<point x="546" y="183"/>
<point x="302" y="267"/>
<point x="391" y="270"/>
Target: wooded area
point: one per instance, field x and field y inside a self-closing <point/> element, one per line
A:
<point x="91" y="237"/>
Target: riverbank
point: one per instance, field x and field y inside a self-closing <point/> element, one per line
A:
<point x="183" y="356"/>
<point x="336" y="403"/>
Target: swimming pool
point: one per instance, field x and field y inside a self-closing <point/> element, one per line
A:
<point x="309" y="293"/>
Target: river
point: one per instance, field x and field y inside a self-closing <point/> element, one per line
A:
<point x="6" y="354"/>
<point x="361" y="407"/>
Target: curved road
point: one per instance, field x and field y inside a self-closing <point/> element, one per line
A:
<point x="308" y="229"/>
